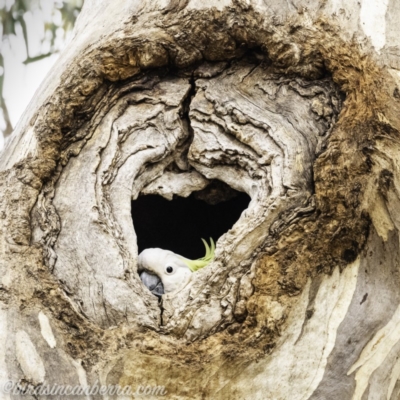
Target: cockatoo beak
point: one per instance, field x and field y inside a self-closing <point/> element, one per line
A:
<point x="153" y="283"/>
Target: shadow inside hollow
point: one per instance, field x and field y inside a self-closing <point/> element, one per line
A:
<point x="178" y="225"/>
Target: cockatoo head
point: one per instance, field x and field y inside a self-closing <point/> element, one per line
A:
<point x="173" y="270"/>
<point x="167" y="266"/>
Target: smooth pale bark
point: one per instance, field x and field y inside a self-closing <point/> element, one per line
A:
<point x="294" y="104"/>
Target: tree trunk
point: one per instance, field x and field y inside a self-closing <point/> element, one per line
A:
<point x="294" y="105"/>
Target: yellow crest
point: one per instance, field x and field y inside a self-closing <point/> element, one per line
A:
<point x="195" y="265"/>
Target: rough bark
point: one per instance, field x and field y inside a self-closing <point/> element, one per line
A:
<point x="295" y="106"/>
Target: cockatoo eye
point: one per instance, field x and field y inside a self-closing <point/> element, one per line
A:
<point x="169" y="269"/>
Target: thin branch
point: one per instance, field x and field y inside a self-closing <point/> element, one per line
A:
<point x="9" y="128"/>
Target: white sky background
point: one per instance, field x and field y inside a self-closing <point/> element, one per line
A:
<point x="21" y="81"/>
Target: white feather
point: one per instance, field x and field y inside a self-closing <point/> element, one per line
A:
<point x="157" y="262"/>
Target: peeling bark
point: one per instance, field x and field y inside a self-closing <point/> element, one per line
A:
<point x="272" y="100"/>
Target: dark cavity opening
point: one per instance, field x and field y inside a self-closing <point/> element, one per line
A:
<point x="178" y="225"/>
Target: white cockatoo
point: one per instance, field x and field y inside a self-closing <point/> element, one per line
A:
<point x="163" y="271"/>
